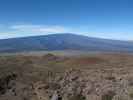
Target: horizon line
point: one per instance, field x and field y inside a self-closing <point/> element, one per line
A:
<point x="19" y="37"/>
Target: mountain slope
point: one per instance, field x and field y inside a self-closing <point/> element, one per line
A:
<point x="63" y="42"/>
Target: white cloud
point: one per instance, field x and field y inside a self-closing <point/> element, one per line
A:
<point x="38" y="29"/>
<point x="21" y="30"/>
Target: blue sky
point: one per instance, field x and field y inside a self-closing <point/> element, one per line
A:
<point x="111" y="19"/>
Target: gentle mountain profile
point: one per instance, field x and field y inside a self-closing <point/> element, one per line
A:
<point x="64" y="42"/>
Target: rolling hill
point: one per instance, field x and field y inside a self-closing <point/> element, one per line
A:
<point x="64" y="42"/>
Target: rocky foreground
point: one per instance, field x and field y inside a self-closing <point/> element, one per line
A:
<point x="72" y="85"/>
<point x="111" y="80"/>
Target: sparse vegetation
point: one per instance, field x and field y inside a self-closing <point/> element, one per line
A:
<point x="77" y="97"/>
<point x="81" y="76"/>
<point x="131" y="95"/>
<point x="108" y="96"/>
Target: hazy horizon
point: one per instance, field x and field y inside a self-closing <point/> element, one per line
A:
<point x="35" y="35"/>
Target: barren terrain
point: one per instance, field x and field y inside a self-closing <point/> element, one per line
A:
<point x="52" y="76"/>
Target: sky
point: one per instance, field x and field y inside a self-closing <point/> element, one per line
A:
<point x="111" y="19"/>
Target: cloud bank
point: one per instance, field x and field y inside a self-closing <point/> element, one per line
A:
<point x="21" y="30"/>
<point x="39" y="28"/>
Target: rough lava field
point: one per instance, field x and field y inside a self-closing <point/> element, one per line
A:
<point x="103" y="76"/>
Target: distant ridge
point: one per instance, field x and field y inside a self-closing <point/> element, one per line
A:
<point x="64" y="41"/>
